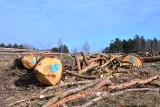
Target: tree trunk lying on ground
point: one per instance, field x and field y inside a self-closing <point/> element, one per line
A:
<point x="151" y="59"/>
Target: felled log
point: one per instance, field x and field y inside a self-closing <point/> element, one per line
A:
<point x="29" y="61"/>
<point x="133" y="59"/>
<point x="48" y="70"/>
<point x="151" y="59"/>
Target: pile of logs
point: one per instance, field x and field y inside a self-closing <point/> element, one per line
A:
<point x="149" y="54"/>
<point x="94" y="65"/>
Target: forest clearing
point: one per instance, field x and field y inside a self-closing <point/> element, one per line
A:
<point x="95" y="79"/>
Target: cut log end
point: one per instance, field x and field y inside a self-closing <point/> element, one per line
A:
<point x="29" y="61"/>
<point x="48" y="70"/>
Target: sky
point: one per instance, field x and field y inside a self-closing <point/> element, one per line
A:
<point x="42" y="23"/>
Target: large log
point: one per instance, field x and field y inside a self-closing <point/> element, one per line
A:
<point x="48" y="70"/>
<point x="29" y="61"/>
<point x="131" y="58"/>
<point x="151" y="59"/>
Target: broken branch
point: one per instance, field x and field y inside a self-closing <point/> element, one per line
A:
<point x="63" y="85"/>
<point x="133" y="82"/>
<point x="88" y="68"/>
<point x="104" y="96"/>
<point x="78" y="63"/>
<point x="81" y="76"/>
<point x="107" y="62"/>
<point x="85" y="58"/>
<point x="68" y="92"/>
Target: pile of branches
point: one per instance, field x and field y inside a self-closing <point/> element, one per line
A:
<point x="149" y="54"/>
<point x="94" y="90"/>
<point x="90" y="78"/>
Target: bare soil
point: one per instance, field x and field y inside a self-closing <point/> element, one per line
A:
<point x="17" y="84"/>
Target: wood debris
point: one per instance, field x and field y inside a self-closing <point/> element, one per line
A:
<point x="93" y="77"/>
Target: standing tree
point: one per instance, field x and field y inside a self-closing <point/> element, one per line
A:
<point x="74" y="50"/>
<point x="155" y="44"/>
<point x="85" y="47"/>
<point x="128" y="46"/>
<point x="148" y="45"/>
<point x="9" y="46"/>
<point x="137" y="43"/>
<point x="2" y="45"/>
<point x="142" y="43"/>
<point x="60" y="47"/>
<point x="65" y="49"/>
<point x="55" y="49"/>
<point x="116" y="45"/>
<point x="159" y="45"/>
<point x="60" y="43"/>
<point x="106" y="50"/>
<point x="15" y="45"/>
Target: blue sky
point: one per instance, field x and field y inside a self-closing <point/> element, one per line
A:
<point x="41" y="23"/>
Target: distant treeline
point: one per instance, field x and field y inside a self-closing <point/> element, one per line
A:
<point x="12" y="46"/>
<point x="21" y="46"/>
<point x="61" y="48"/>
<point x="137" y="44"/>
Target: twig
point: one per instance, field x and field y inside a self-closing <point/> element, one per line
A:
<point x="81" y="76"/>
<point x="65" y="84"/>
<point x="102" y="83"/>
<point x="99" y="54"/>
<point x="155" y="82"/>
<point x="84" y="58"/>
<point x="49" y="88"/>
<point x="23" y="100"/>
<point x="88" y="68"/>
<point x="32" y="98"/>
<point x="113" y="72"/>
<point x="69" y="92"/>
<point x="107" y="62"/>
<point x="78" y="63"/>
<point x="95" y="59"/>
<point x="104" y="96"/>
<point x="133" y="82"/>
<point x="83" y="94"/>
